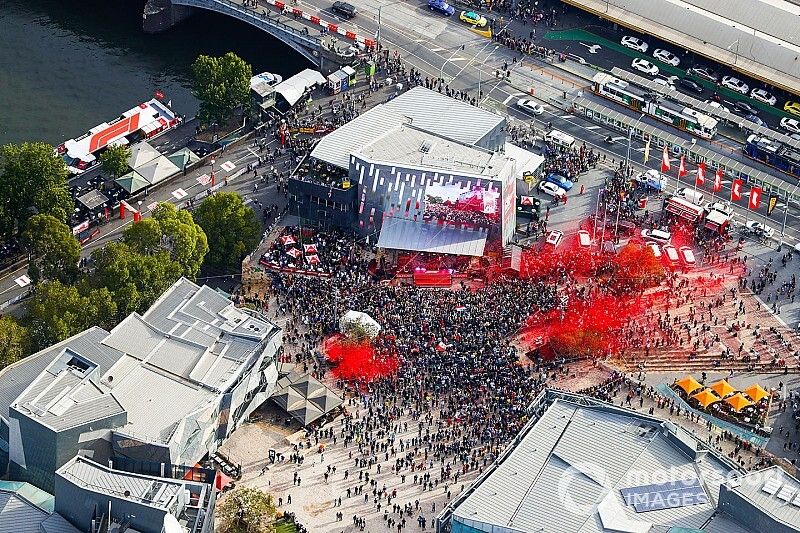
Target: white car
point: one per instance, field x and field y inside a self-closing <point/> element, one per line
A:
<point x="552" y="189"/>
<point x="790" y="124"/>
<point x="687" y="255"/>
<point x="723" y="207"/>
<point x="760" y="229"/>
<point x="655" y="249"/>
<point x="762" y="95"/>
<point x="643" y="65"/>
<point x="529" y="106"/>
<point x="657" y="236"/>
<point x="664" y="82"/>
<point x="634" y="43"/>
<point x="667" y="57"/>
<point x="671" y="253"/>
<point x="735" y="84"/>
<point x="554" y="238"/>
<point x="712" y="103"/>
<point x="584" y="239"/>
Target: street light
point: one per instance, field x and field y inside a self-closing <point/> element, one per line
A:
<point x="212" y="173"/>
<point x="736" y="57"/>
<point x="380" y="7"/>
<point x="627" y="170"/>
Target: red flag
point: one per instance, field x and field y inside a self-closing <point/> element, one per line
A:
<point x="736" y="190"/>
<point x="701" y="174"/>
<point x="718" y="181"/>
<point x="755" y="198"/>
<point x="665" y="166"/>
<point x="681" y="169"/>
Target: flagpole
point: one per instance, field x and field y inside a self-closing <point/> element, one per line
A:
<point x="786" y="213"/>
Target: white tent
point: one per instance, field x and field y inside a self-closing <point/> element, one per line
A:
<point x="359" y="319"/>
<point x="142" y="153"/>
<point x="157" y="170"/>
<point x="294" y="88"/>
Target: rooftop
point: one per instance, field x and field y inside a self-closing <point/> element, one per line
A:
<point x="26" y="509"/>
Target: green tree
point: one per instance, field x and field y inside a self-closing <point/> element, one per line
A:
<point x="55" y="249"/>
<point x="171" y="230"/>
<point x="33" y="180"/>
<point x="115" y="160"/>
<point x="231" y="227"/>
<point x="134" y="279"/>
<point x="221" y="84"/>
<point x="246" y="510"/>
<point x="14" y="341"/>
<point x="59" y="311"/>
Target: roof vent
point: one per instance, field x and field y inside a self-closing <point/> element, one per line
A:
<point x="426" y="146"/>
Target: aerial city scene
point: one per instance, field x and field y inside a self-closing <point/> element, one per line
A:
<point x="399" y="266"/>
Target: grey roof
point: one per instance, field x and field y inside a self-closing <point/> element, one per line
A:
<point x="780" y="502"/>
<point x="445" y="116"/>
<point x="555" y="480"/>
<point x="304" y="397"/>
<point x="147" y="490"/>
<point x="765" y="46"/>
<point x="405" y="234"/>
<point x="20" y="515"/>
<point x="55" y="523"/>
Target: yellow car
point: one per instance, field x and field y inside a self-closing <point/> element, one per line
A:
<point x="470" y="17"/>
<point x="792" y="107"/>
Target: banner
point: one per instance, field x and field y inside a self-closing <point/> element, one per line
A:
<point x="718" y="180"/>
<point x="682" y="168"/>
<point x="701" y="174"/>
<point x="736" y="190"/>
<point x="647" y="150"/>
<point x="755" y="198"/>
<point x="773" y="201"/>
<point x="665" y="166"/>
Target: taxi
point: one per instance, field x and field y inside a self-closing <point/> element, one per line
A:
<point x="470" y="17"/>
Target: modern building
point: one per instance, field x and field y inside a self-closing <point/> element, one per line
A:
<point x="26" y="509"/>
<point x="581" y="465"/>
<point x="427" y="172"/>
<point x="165" y="388"/>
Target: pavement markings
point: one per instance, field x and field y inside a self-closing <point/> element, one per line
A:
<point x="565" y="117"/>
<point x="227" y="166"/>
<point x="179" y="194"/>
<point x="592" y="127"/>
<point x="617" y="139"/>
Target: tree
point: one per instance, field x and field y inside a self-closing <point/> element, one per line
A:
<point x="115" y="160"/>
<point x="33" y="180"/>
<point x="14" y="341"/>
<point x="221" y="84"/>
<point x="231" y="227"/>
<point x="171" y="230"/>
<point x="55" y="249"/>
<point x="246" y="510"/>
<point x="636" y="269"/>
<point x="59" y="311"/>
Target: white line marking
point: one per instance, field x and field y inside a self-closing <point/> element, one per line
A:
<point x="592" y="127"/>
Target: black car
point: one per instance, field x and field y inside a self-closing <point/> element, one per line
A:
<point x="743" y="108"/>
<point x="692" y="85"/>
<point x="344" y="9"/>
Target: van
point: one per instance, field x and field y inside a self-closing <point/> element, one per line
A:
<point x="690" y="195"/>
<point x="344" y="9"/>
<point x="559" y="138"/>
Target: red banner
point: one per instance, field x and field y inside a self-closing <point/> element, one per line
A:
<point x="718" y="181"/>
<point x="701" y="174"/>
<point x="755" y="198"/>
<point x="736" y="190"/>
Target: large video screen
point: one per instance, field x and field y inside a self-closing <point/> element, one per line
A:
<point x="452" y="204"/>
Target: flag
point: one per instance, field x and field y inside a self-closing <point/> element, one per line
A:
<point x="773" y="201"/>
<point x="718" y="180"/>
<point x="682" y="168"/>
<point x="665" y="166"/>
<point x="647" y="151"/>
<point x="736" y="190"/>
<point x="755" y="198"/>
<point x="701" y="174"/>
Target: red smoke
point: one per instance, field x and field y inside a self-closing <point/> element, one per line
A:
<point x="359" y="360"/>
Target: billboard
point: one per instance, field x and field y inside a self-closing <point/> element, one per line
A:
<point x="475" y="207"/>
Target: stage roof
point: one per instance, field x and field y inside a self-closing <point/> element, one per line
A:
<point x="404" y="234"/>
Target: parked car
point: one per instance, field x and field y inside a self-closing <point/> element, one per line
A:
<point x="643" y="65"/>
<point x="687" y="256"/>
<point x="723" y="207"/>
<point x="666" y="82"/>
<point x="763" y="96"/>
<point x="756" y="120"/>
<point x="561" y="181"/>
<point x="759" y="229"/>
<point x="735" y="84"/>
<point x="688" y="83"/>
<point x="743" y="108"/>
<point x="712" y="103"/>
<point x="657" y="236"/>
<point x="792" y="107"/>
<point x="704" y="73"/>
<point x="584" y="239"/>
<point x="470" y="17"/>
<point x="670" y="253"/>
<point x="634" y="43"/>
<point x="344" y="9"/>
<point x="441" y="6"/>
<point x="554" y="238"/>
<point x="530" y="106"/>
<point x="552" y="189"/>
<point x="655" y="249"/>
<point x="791" y="125"/>
<point x="667" y="57"/>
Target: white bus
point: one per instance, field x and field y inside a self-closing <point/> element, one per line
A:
<point x="559" y="138"/>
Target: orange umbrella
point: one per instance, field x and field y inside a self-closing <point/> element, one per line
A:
<point x="706" y="397"/>
<point x="756" y="392"/>
<point x="688" y="384"/>
<point x="738" y="402"/>
<point x="722" y="388"/>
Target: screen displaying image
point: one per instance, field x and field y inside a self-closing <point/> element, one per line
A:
<point x="454" y="205"/>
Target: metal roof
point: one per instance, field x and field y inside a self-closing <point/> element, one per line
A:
<point x="763" y="46"/>
<point x="781" y="501"/>
<point x="402" y="234"/>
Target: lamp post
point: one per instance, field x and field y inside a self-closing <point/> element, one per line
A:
<point x="627" y="170"/>
<point x="212" y="173"/>
<point x="380" y="7"/>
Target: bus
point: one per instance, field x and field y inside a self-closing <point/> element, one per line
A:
<point x="773" y="153"/>
<point x="559" y="138"/>
<point x="641" y="100"/>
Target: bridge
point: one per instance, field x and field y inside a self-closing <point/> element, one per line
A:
<point x="160" y="15"/>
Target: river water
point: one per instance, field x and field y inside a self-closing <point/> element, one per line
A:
<point x="68" y="65"/>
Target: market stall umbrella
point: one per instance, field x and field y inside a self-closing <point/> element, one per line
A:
<point x="326" y="400"/>
<point x="706" y="397"/>
<point x="756" y="392"/>
<point x="310" y="248"/>
<point x="294" y="252"/>
<point x="287" y="239"/>
<point x="688" y="384"/>
<point x="738" y="402"/>
<point x="132" y="182"/>
<point x="722" y="388"/>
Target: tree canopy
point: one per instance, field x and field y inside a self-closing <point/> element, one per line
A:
<point x="14" y="341"/>
<point x="231" y="227"/>
<point x="246" y="510"/>
<point x="33" y="179"/>
<point x="221" y="84"/>
<point x="115" y="160"/>
<point x="54" y="248"/>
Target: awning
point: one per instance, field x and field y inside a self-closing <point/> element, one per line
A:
<point x="133" y="182"/>
<point x="684" y="209"/>
<point x="403" y="234"/>
<point x="142" y="153"/>
<point x="157" y="170"/>
<point x="93" y="199"/>
<point x="305" y="398"/>
<point x="293" y="88"/>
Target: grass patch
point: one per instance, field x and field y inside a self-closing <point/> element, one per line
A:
<point x="285" y="526"/>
